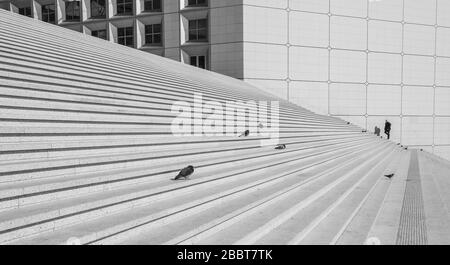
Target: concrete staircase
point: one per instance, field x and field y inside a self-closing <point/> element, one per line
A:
<point x="86" y="154"/>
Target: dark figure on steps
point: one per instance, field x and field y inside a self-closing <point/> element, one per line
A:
<point x="281" y="147"/>
<point x="185" y="173"/>
<point x="387" y="129"/>
<point x="377" y="131"/>
<point x="389" y="176"/>
<point x="245" y="134"/>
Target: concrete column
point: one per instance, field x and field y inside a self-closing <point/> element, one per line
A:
<point x="85" y="9"/>
<point x="13" y="8"/>
<point x="112" y="6"/>
<point x="140" y="34"/>
<point x="37" y="10"/>
<point x="138" y="6"/>
<point x="60" y="11"/>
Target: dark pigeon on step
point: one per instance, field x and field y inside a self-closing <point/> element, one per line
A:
<point x="280" y="147"/>
<point x="245" y="134"/>
<point x="185" y="173"/>
<point x="389" y="176"/>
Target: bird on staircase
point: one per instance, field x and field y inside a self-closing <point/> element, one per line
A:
<point x="389" y="176"/>
<point x="185" y="173"/>
<point x="245" y="134"/>
<point x="280" y="147"/>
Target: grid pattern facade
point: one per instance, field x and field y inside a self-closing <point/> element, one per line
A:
<point x="176" y="29"/>
<point x="362" y="60"/>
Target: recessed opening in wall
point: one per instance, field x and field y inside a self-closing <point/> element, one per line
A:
<point x="198" y="30"/>
<point x="198" y="61"/>
<point x="125" y="36"/>
<point x="122" y="32"/>
<point x="73" y="10"/>
<point x="152" y="6"/>
<point x="98" y="29"/>
<point x="195" y="3"/>
<point x="101" y="33"/>
<point x="98" y="9"/>
<point x="22" y="7"/>
<point x="196" y="55"/>
<point x="153" y="34"/>
<point x="149" y="32"/>
<point x="124" y="7"/>
<point x="48" y="13"/>
<point x="25" y="11"/>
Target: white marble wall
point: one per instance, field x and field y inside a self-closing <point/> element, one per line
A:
<point x="362" y="60"/>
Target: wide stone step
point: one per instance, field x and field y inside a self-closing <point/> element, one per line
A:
<point x="135" y="218"/>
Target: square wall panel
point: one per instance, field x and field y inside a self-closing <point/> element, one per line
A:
<point x="347" y="99"/>
<point x="443" y="71"/>
<point x="309" y="29"/>
<point x="418" y="100"/>
<point x="443" y="41"/>
<point x="442" y="130"/>
<point x="386" y="10"/>
<point x="319" y="6"/>
<point x="385" y="68"/>
<point x="420" y="11"/>
<point x="418" y="70"/>
<point x="442" y="101"/>
<point x="442" y="151"/>
<point x="310" y="64"/>
<point x="348" y="66"/>
<point x="356" y="8"/>
<point x="443" y="19"/>
<point x="417" y="131"/>
<point x="385" y="36"/>
<point x="226" y="25"/>
<point x="384" y="100"/>
<point x="419" y="39"/>
<point x="310" y="95"/>
<point x="265" y="61"/>
<point x="172" y="53"/>
<point x="379" y="121"/>
<point x="274" y="87"/>
<point x="348" y="33"/>
<point x="266" y="25"/>
<point x="227" y="59"/>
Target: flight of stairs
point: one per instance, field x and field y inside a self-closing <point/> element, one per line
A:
<point x="87" y="154"/>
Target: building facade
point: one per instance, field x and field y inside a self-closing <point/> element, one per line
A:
<point x="191" y="31"/>
<point x="365" y="61"/>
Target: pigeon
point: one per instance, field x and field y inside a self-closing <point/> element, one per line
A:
<point x="260" y="125"/>
<point x="185" y="173"/>
<point x="348" y="123"/>
<point x="389" y="176"/>
<point x="245" y="134"/>
<point x="281" y="147"/>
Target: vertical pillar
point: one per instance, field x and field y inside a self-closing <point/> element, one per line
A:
<point x="60" y="11"/>
<point x="37" y="10"/>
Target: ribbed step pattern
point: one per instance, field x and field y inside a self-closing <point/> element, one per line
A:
<point x="412" y="230"/>
<point x="87" y="154"/>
